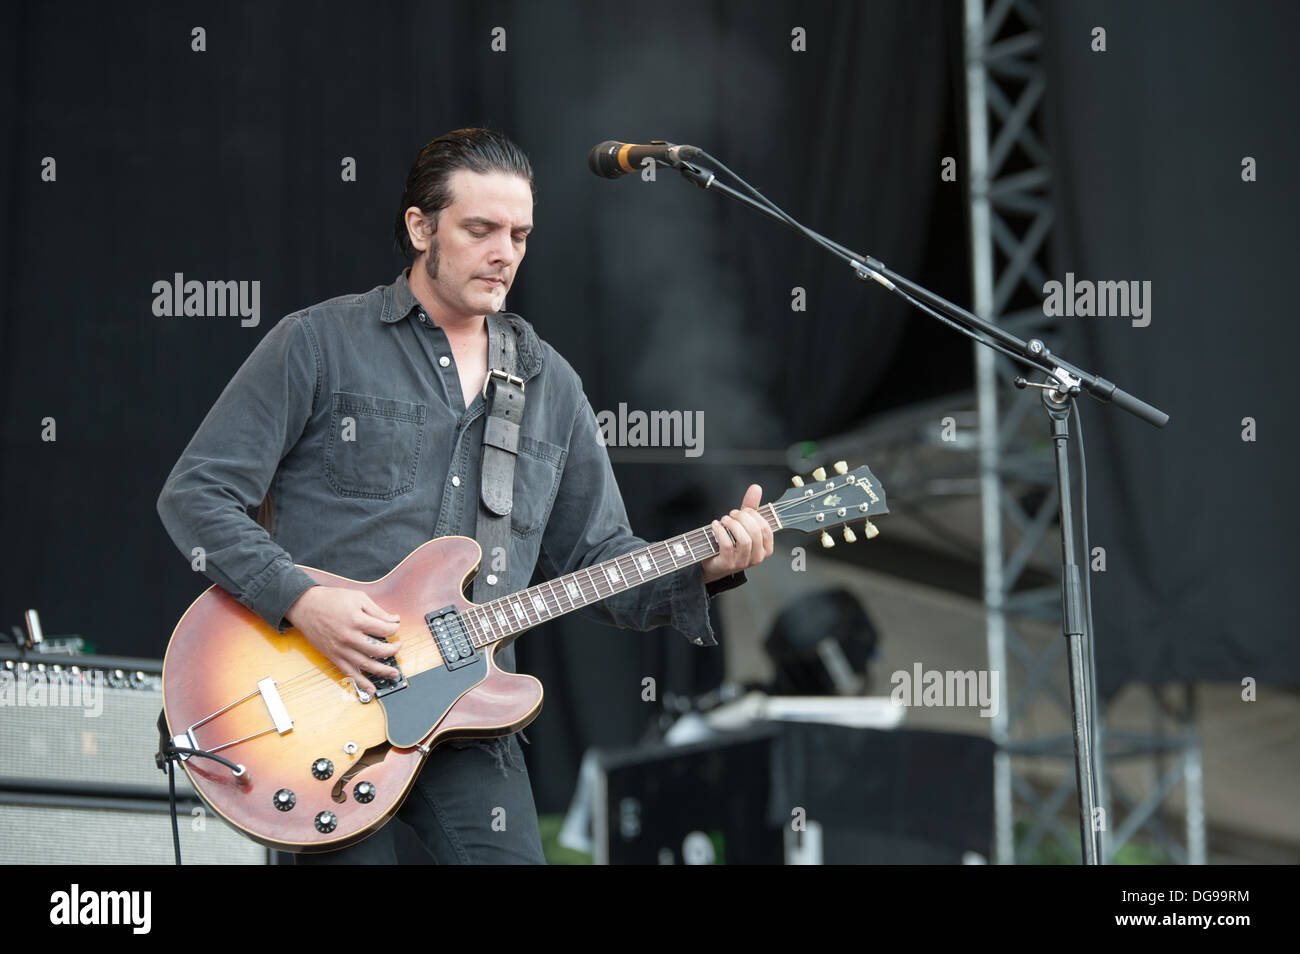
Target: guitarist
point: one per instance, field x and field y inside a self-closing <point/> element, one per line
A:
<point x="362" y="419"/>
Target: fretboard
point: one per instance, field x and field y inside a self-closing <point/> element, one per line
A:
<point x="498" y="619"/>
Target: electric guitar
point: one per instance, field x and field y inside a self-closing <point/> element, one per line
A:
<point x="281" y="744"/>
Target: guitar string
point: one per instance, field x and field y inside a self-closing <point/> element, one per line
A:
<point x="325" y="678"/>
<point x="330" y="676"/>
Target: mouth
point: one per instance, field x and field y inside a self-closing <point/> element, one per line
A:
<point x="494" y="282"/>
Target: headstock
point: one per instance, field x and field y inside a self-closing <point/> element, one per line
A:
<point x="833" y="502"/>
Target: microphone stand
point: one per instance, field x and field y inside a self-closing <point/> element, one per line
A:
<point x="1063" y="383"/>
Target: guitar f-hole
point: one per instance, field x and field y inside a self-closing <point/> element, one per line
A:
<point x="371" y="756"/>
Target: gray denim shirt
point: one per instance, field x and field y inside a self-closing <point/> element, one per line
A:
<point x="356" y="507"/>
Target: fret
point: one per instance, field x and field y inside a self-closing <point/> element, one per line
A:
<point x="490" y="622"/>
<point x="480" y="624"/>
<point x="525" y="607"/>
<point x="631" y="559"/>
<point x="485" y="627"/>
<point x="485" y="623"/>
<point x="558" y="605"/>
<point x="468" y="618"/>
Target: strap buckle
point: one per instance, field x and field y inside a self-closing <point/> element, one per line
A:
<point x="498" y="373"/>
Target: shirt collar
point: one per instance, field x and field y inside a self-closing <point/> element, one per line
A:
<point x="399" y="303"/>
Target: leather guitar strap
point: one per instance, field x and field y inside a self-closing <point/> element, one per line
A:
<point x="504" y="393"/>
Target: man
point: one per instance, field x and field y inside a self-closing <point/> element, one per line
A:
<point x="361" y="419"/>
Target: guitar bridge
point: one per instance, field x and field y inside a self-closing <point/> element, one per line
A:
<point x="453" y="641"/>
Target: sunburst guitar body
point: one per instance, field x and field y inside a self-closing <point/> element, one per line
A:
<point x="282" y="745"/>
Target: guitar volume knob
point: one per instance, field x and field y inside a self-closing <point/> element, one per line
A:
<point x="326" y="822"/>
<point x="364" y="792"/>
<point x="285" y="799"/>
<point x="322" y="768"/>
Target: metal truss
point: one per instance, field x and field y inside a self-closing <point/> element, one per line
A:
<point x="1011" y="216"/>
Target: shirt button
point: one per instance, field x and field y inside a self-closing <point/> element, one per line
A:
<point x="444" y="361"/>
<point x="492" y="579"/>
<point x="455" y="481"/>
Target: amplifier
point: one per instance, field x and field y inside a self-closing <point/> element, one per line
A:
<point x="802" y="793"/>
<point x="704" y="803"/>
<point x="78" y="783"/>
<point x="37" y="829"/>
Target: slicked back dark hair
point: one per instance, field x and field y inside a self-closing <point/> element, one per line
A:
<point x="428" y="185"/>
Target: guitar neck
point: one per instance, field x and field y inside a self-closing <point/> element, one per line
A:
<point x="489" y="622"/>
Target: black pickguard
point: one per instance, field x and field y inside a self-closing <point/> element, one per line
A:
<point x="414" y="710"/>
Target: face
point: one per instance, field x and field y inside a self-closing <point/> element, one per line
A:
<point x="473" y="256"/>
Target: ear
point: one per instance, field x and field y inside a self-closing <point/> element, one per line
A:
<point x="420" y="228"/>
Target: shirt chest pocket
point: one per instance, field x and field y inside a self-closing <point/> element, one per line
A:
<point x="373" y="449"/>
<point x="538" y="466"/>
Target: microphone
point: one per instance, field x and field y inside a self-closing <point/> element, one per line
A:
<point x="612" y="159"/>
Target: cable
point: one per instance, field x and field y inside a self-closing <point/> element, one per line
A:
<point x="1094" y="712"/>
<point x="171" y="793"/>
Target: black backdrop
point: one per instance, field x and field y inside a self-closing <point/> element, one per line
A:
<point x="1148" y="139"/>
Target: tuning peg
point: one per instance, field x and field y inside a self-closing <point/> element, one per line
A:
<point x="841" y="467"/>
<point x="850" y="536"/>
<point x="827" y="542"/>
<point x="797" y="480"/>
<point x="872" y="530"/>
<point x="819" y="473"/>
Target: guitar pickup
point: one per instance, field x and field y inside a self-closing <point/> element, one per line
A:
<point x="453" y="641"/>
<point x="383" y="684"/>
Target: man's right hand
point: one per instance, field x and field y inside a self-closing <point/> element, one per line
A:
<point x="343" y="624"/>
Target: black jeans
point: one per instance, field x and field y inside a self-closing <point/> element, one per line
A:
<point x="472" y="803"/>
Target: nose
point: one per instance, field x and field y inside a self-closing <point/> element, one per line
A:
<point x="503" y="250"/>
